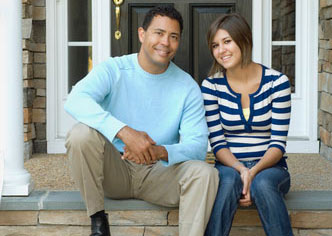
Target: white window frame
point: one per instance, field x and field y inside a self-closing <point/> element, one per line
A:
<point x="57" y="59"/>
<point x="306" y="65"/>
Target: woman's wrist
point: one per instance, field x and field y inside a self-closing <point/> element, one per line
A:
<point x="239" y="167"/>
<point x="243" y="170"/>
<point x="236" y="165"/>
<point x="253" y="171"/>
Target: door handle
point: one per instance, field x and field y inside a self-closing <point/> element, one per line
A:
<point x="117" y="3"/>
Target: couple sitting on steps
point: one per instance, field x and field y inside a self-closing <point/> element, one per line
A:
<point x="144" y="126"/>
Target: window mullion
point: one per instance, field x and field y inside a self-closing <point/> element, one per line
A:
<point x="283" y="43"/>
<point x="80" y="44"/>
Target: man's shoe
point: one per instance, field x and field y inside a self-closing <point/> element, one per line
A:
<point x="100" y="226"/>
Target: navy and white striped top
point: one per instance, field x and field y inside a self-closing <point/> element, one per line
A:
<point x="268" y="123"/>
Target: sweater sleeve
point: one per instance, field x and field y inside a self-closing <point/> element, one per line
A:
<point x="281" y="111"/>
<point x="84" y="101"/>
<point x="216" y="136"/>
<point x="192" y="131"/>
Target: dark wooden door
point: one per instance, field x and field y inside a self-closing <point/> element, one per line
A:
<point x="193" y="54"/>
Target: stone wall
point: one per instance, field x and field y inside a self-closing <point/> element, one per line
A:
<point x="34" y="75"/>
<point x="325" y="78"/>
<point x="148" y="223"/>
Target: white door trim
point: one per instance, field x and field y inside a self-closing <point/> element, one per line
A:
<point x="56" y="52"/>
<point x="51" y="73"/>
<point x="304" y="101"/>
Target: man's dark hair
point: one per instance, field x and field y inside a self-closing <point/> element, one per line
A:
<point x="162" y="10"/>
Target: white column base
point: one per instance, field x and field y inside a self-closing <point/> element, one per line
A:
<point x="17" y="190"/>
<point x="17" y="183"/>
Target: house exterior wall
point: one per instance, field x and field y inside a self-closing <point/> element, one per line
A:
<point x="325" y="78"/>
<point x="34" y="76"/>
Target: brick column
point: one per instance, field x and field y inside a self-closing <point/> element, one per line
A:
<point x="17" y="181"/>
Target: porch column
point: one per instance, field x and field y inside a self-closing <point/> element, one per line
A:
<point x="16" y="180"/>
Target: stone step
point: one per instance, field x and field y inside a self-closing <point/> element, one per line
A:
<point x="63" y="213"/>
<point x="308" y="172"/>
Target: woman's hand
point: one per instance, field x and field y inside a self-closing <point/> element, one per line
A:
<point x="246" y="178"/>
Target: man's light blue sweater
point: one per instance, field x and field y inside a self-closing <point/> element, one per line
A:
<point x="167" y="106"/>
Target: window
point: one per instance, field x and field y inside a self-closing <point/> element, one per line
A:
<point x="284" y="38"/>
<point x="285" y="34"/>
<point x="79" y="17"/>
<point x="77" y="38"/>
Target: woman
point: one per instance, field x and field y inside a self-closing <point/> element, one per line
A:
<point x="248" y="113"/>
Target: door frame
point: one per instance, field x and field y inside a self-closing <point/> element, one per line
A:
<point x="261" y="16"/>
<point x="305" y="97"/>
<point x="56" y="53"/>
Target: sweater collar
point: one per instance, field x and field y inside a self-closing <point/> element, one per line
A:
<point x="165" y="74"/>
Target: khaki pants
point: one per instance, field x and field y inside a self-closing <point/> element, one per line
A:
<point x="99" y="171"/>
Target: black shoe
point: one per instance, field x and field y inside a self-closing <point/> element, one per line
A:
<point x="100" y="226"/>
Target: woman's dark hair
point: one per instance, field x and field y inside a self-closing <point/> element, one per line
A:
<point x="238" y="28"/>
<point x="162" y="10"/>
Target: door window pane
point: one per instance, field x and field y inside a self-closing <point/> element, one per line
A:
<point x="79" y="64"/>
<point x="283" y="60"/>
<point x="79" y="20"/>
<point x="283" y="20"/>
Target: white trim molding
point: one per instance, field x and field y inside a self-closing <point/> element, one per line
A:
<point x="57" y="63"/>
<point x="303" y="129"/>
<point x="52" y="70"/>
<point x="307" y="14"/>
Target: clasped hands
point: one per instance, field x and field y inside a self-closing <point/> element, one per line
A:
<point x="139" y="146"/>
<point x="246" y="177"/>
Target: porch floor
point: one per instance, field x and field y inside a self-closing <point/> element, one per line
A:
<point x="309" y="172"/>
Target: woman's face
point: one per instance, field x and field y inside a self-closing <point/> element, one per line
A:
<point x="226" y="52"/>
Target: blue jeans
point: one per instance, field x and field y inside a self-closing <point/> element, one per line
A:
<point x="267" y="191"/>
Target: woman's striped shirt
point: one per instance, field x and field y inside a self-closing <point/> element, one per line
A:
<point x="268" y="123"/>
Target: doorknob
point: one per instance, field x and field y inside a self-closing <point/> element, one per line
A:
<point x="117" y="4"/>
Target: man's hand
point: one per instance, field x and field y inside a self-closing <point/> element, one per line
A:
<point x="157" y="152"/>
<point x="138" y="145"/>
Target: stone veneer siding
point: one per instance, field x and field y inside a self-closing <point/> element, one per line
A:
<point x="34" y="76"/>
<point x="325" y="78"/>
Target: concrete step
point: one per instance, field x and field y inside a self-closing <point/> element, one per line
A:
<point x="309" y="172"/>
<point x="63" y="213"/>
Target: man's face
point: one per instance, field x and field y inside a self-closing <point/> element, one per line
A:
<point x="159" y="44"/>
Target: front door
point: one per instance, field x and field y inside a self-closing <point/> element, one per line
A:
<point x="193" y="54"/>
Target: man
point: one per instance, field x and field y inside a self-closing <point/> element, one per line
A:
<point x="142" y="132"/>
